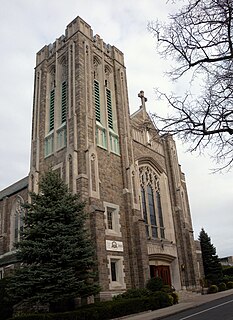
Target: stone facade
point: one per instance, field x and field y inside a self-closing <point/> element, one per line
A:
<point x="136" y="194"/>
<point x="11" y="215"/>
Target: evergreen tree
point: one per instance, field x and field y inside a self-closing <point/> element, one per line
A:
<point x="55" y="248"/>
<point x="211" y="263"/>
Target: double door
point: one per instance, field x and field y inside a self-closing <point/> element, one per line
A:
<point x="162" y="272"/>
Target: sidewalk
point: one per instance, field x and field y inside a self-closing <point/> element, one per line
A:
<point x="184" y="305"/>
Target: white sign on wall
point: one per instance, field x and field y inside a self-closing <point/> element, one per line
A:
<point x="114" y="245"/>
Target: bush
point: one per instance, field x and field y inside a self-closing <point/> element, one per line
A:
<point x="230" y="285"/>
<point x="175" y="297"/>
<point x="154" y="284"/>
<point x="168" y="289"/>
<point x="133" y="293"/>
<point x="227" y="278"/>
<point x="228" y="271"/>
<point x="222" y="286"/>
<point x="163" y="298"/>
<point x="212" y="289"/>
<point x="107" y="310"/>
<point x="6" y="305"/>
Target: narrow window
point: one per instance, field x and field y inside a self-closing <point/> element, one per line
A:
<point x="48" y="148"/>
<point x="16" y="226"/>
<point x="160" y="213"/>
<point x="110" y="218"/>
<point x="109" y="108"/>
<point x="116" y="272"/>
<point x="17" y="221"/>
<point x="144" y="210"/>
<point x="152" y="212"/>
<point x="63" y="101"/>
<point x="113" y="270"/>
<point x="51" y="110"/>
<point x="97" y="101"/>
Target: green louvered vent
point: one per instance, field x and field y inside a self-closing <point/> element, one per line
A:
<point x="63" y="101"/>
<point x="97" y="100"/>
<point x="51" y="110"/>
<point x="109" y="108"/>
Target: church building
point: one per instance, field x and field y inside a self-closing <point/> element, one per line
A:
<point x="129" y="175"/>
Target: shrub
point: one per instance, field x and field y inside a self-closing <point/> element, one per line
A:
<point x="6" y="305"/>
<point x="230" y="285"/>
<point x="154" y="284"/>
<point x="107" y="310"/>
<point x="228" y="271"/>
<point x="163" y="298"/>
<point x="222" y="286"/>
<point x="227" y="278"/>
<point x="171" y="299"/>
<point x="212" y="289"/>
<point x="168" y="289"/>
<point x="175" y="297"/>
<point x="133" y="293"/>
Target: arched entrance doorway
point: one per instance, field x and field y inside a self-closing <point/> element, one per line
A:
<point x="162" y="265"/>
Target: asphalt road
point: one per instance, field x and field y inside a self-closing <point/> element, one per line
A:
<point x="221" y="309"/>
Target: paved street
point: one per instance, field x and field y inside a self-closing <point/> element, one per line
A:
<point x="220" y="306"/>
<point x="214" y="310"/>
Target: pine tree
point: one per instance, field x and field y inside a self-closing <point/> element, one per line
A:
<point x="211" y="263"/>
<point x="55" y="249"/>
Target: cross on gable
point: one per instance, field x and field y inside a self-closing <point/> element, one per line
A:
<point x="143" y="98"/>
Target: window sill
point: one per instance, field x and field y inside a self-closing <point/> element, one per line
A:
<point x="48" y="155"/>
<point x="117" y="285"/>
<point x="110" y="232"/>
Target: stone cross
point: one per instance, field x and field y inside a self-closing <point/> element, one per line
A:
<point x="143" y="98"/>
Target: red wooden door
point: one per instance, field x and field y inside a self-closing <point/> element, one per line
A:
<point x="162" y="272"/>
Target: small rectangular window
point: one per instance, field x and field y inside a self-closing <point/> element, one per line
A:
<point x="114" y="142"/>
<point x="113" y="270"/>
<point x="101" y="136"/>
<point x="61" y="137"/>
<point x="110" y="218"/>
<point x="48" y="147"/>
<point x="116" y="272"/>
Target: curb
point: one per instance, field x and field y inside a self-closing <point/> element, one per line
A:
<point x="175" y="309"/>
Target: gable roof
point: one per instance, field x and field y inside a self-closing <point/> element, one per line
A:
<point x="14" y="188"/>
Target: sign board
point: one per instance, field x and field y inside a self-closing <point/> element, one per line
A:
<point x="113" y="245"/>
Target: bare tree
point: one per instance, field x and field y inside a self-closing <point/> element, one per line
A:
<point x="199" y="38"/>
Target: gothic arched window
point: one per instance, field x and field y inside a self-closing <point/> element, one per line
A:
<point x="151" y="203"/>
<point x="16" y="220"/>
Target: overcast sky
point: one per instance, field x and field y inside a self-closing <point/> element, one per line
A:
<point x="27" y="25"/>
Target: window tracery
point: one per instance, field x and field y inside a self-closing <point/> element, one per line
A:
<point x="151" y="202"/>
<point x="17" y="220"/>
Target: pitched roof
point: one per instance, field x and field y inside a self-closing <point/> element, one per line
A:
<point x="15" y="187"/>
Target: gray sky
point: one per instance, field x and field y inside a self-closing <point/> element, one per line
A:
<point x="26" y="26"/>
